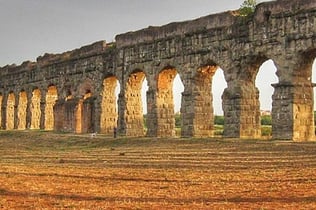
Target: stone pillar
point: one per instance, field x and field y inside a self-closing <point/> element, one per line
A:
<point x="292" y="112"/>
<point x="151" y="120"/>
<point x="241" y="111"/>
<point x="10" y="111"/>
<point x="293" y="98"/>
<point x="36" y="109"/>
<point x="187" y="115"/>
<point x="164" y="103"/>
<point x="59" y="115"/>
<point x="68" y="115"/>
<point x="28" y="109"/>
<point x="16" y="111"/>
<point x="121" y="123"/>
<point x="197" y="111"/>
<point x="160" y="113"/>
<point x="42" y="108"/>
<point x="107" y="108"/>
<point x="4" y="111"/>
<point x="1" y="105"/>
<point x="77" y="109"/>
<point x="97" y="114"/>
<point x="22" y="106"/>
<point x="200" y="108"/>
<point x="88" y="114"/>
<point x="133" y="116"/>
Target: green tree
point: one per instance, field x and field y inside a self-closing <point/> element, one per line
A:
<point x="219" y="120"/>
<point x="248" y="7"/>
<point x="266" y="120"/>
<point x="177" y="117"/>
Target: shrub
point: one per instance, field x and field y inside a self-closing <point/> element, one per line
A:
<point x="248" y="7"/>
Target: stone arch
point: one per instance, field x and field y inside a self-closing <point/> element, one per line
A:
<point x="69" y="93"/>
<point x="165" y="102"/>
<point x="198" y="111"/>
<point x="85" y="110"/>
<point x="35" y="109"/>
<point x="241" y="99"/>
<point x="51" y="98"/>
<point x="109" y="112"/>
<point x="22" y="110"/>
<point x="86" y="89"/>
<point x="134" y="107"/>
<point x="293" y="104"/>
<point x="10" y="111"/>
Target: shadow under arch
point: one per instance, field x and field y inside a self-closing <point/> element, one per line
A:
<point x="109" y="112"/>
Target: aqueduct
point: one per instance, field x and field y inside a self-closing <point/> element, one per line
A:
<point x="75" y="91"/>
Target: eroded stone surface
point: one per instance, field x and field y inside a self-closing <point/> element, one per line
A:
<point x="282" y="30"/>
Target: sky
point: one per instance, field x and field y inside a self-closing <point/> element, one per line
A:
<point x="30" y="28"/>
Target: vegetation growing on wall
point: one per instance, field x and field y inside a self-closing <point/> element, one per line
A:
<point x="248" y="7"/>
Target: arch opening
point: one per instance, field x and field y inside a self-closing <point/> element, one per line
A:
<point x="10" y="111"/>
<point x="22" y="106"/>
<point x="219" y="84"/>
<point x="35" y="109"/>
<point x="265" y="77"/>
<point x="109" y="111"/>
<point x="51" y="98"/>
<point x="177" y="89"/>
<point x="84" y="111"/>
<point x="134" y="112"/>
<point x="69" y="95"/>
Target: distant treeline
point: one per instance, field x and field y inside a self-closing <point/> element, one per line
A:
<point x="219" y="120"/>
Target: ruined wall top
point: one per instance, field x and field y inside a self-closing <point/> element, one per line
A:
<point x="152" y="33"/>
<point x="173" y="29"/>
<point x="49" y="59"/>
<point x="85" y="51"/>
<point x="219" y="20"/>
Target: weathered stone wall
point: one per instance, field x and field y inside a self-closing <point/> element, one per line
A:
<point x="282" y="30"/>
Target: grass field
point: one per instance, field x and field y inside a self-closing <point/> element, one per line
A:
<point x="43" y="170"/>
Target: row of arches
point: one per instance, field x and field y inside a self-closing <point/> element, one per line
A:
<point x="22" y="111"/>
<point x="126" y="107"/>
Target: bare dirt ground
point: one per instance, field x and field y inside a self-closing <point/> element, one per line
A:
<point x="42" y="170"/>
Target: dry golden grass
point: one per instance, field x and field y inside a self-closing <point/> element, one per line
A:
<point x="42" y="170"/>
